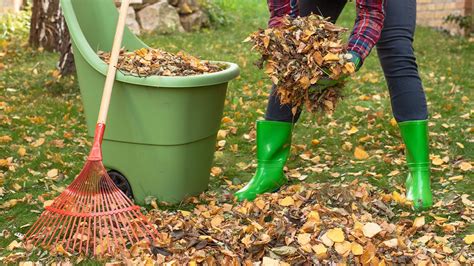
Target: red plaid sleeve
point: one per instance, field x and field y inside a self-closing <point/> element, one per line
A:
<point x="368" y="26"/>
<point x="279" y="9"/>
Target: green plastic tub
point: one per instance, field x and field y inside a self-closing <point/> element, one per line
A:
<point x="161" y="131"/>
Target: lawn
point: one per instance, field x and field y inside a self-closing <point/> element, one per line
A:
<point x="44" y="143"/>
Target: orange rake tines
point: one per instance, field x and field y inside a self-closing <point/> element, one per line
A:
<point x="92" y="216"/>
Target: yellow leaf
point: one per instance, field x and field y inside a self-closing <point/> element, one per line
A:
<point x="266" y="41"/>
<point x="5" y="139"/>
<point x="154" y="204"/>
<point x="465" y="200"/>
<point x="456" y="178"/>
<point x="398" y="198"/>
<point x="326" y="241"/>
<point x="336" y="235"/>
<point x="424" y="239"/>
<point x="460" y="145"/>
<point x="288" y="201"/>
<point x="16" y="187"/>
<point x="349" y="68"/>
<point x="305" y="82"/>
<point x="21" y="151"/>
<point x="314" y="216"/>
<point x="319" y="249"/>
<point x="52" y="173"/>
<point x="331" y="57"/>
<point x="227" y="120"/>
<point x="216" y="171"/>
<point x="391" y="243"/>
<point x="357" y="249"/>
<point x="14" y="244"/>
<point x="343" y="248"/>
<point x="185" y="213"/>
<point x="347" y="146"/>
<point x="419" y="221"/>
<point x="465" y="166"/>
<point x="394" y="173"/>
<point x="267" y="261"/>
<point x="393" y="122"/>
<point x="360" y="153"/>
<point x="260" y="204"/>
<point x="38" y="142"/>
<point x="315" y="142"/>
<point x="222" y="134"/>
<point x="360" y="109"/>
<point x="447" y="250"/>
<point x="469" y="239"/>
<point x="304" y="239"/>
<point x="352" y="131"/>
<point x="437" y="161"/>
<point x="61" y="251"/>
<point x="371" y="229"/>
<point x="4" y="162"/>
<point x="47" y="203"/>
<point x="439" y="218"/>
<point x="216" y="221"/>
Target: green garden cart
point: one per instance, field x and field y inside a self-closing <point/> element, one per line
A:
<point x="161" y="131"/>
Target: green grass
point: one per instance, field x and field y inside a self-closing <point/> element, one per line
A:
<point x="28" y="90"/>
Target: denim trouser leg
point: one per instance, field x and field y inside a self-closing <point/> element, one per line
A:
<point x="395" y="50"/>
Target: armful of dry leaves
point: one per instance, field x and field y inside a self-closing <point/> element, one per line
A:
<point x="300" y="53"/>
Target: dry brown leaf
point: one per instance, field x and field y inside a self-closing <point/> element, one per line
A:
<point x="391" y="243"/>
<point x="217" y="221"/>
<point x="371" y="229"/>
<point x="419" y="221"/>
<point x="343" y="248"/>
<point x="5" y="139"/>
<point x="287" y="201"/>
<point x="38" y="142"/>
<point x="326" y="240"/>
<point x="13" y="245"/>
<point x="47" y="203"/>
<point x="216" y="171"/>
<point x="53" y="173"/>
<point x="437" y="161"/>
<point x="304" y="239"/>
<point x="465" y="166"/>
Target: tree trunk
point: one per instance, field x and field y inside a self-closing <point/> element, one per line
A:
<point x="49" y="30"/>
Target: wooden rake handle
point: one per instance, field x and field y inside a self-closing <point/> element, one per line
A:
<point x="112" y="70"/>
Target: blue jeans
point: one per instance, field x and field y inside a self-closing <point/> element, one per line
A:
<point x="396" y="55"/>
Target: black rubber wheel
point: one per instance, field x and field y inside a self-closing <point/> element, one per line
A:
<point x="121" y="182"/>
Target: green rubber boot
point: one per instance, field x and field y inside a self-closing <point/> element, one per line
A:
<point x="273" y="149"/>
<point x="415" y="136"/>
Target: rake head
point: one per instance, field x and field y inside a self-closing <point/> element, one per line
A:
<point x="92" y="216"/>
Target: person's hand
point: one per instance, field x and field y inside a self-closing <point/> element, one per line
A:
<point x="327" y="82"/>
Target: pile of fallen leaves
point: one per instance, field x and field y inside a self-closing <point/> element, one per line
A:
<point x="155" y="62"/>
<point x="311" y="223"/>
<point x="353" y="223"/>
<point x="298" y="54"/>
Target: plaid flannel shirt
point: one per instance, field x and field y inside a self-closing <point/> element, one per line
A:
<point x="367" y="28"/>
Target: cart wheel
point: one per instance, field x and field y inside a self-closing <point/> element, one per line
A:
<point x="121" y="182"/>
